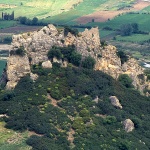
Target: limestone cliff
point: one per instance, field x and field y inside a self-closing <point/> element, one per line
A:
<point x="38" y="43"/>
<point x="17" y="67"/>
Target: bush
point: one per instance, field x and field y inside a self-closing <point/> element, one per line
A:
<point x="88" y="62"/>
<point x="125" y="80"/>
<point x="20" y="51"/>
<point x="124" y="58"/>
<point x="54" y="52"/>
<point x="75" y="59"/>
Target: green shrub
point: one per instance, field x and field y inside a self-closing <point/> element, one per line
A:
<point x="124" y="58"/>
<point x="125" y="80"/>
<point x="88" y="62"/>
<point x="54" y="52"/>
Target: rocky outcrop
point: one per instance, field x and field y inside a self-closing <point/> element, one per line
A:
<point x="128" y="125"/>
<point x="47" y="64"/>
<point x="17" y="67"/>
<point x="110" y="63"/>
<point x="38" y="43"/>
<point x="115" y="102"/>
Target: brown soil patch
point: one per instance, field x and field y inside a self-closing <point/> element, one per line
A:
<point x="99" y="16"/>
<point x="141" y="5"/>
<point x="20" y="29"/>
<point x="102" y="16"/>
<point x="70" y="135"/>
<point x="7" y="6"/>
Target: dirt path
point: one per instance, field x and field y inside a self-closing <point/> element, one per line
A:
<point x="71" y="131"/>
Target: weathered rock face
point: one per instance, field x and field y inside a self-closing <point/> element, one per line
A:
<point x="110" y="63"/>
<point x="47" y="64"/>
<point x="115" y="102"/>
<point x="38" y="43"/>
<point x="128" y="125"/>
<point x="17" y="67"/>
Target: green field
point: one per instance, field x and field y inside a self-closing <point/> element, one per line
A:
<point x="2" y="65"/>
<point x="68" y="9"/>
<point x="142" y="19"/>
<point x="6" y="24"/>
<point x="134" y="38"/>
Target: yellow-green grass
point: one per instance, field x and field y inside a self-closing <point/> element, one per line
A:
<point x="104" y="33"/>
<point x="84" y="8"/>
<point x="11" y="140"/>
<point x="7" y="24"/>
<point x="62" y="9"/>
<point x="142" y="19"/>
<point x="39" y="8"/>
<point x="134" y="38"/>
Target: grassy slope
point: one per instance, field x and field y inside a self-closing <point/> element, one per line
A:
<point x="142" y="19"/>
<point x="70" y="85"/>
<point x="47" y="8"/>
<point x="16" y="140"/>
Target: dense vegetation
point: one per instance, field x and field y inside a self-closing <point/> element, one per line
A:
<point x="30" y="107"/>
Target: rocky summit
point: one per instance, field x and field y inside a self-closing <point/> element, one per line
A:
<point x="87" y="43"/>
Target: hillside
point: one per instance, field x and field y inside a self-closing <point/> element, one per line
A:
<point x="58" y="98"/>
<point x="49" y="8"/>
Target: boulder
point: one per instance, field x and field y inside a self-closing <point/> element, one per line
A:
<point x="47" y="64"/>
<point x="115" y="102"/>
<point x="128" y="125"/>
<point x="33" y="76"/>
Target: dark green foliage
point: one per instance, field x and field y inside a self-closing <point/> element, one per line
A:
<point x="124" y="58"/>
<point x="128" y="29"/>
<point x="65" y="53"/>
<point x="29" y="108"/>
<point x="88" y="62"/>
<point x="54" y="52"/>
<point x="20" y="51"/>
<point x="75" y="58"/>
<point x="125" y="80"/>
<point x="72" y="31"/>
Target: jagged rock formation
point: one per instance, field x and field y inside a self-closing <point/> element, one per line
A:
<point x="110" y="63"/>
<point x="115" y="102"/>
<point x="38" y="43"/>
<point x="128" y="125"/>
<point x="47" y="64"/>
<point x="17" y="67"/>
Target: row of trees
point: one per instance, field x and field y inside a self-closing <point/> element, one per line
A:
<point x="27" y="21"/>
<point x="7" y="16"/>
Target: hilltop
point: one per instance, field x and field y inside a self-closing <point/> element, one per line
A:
<point x="58" y="99"/>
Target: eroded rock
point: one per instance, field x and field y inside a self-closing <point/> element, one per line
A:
<point x="128" y="125"/>
<point x="17" y="67"/>
<point x="47" y="64"/>
<point x="115" y="102"/>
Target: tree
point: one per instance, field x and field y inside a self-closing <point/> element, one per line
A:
<point x="54" y="52"/>
<point x="88" y="62"/>
<point x="75" y="58"/>
<point x="135" y="27"/>
<point x="23" y="20"/>
<point x="125" y="80"/>
<point x="34" y="21"/>
<point x="126" y="30"/>
<point x="124" y="58"/>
